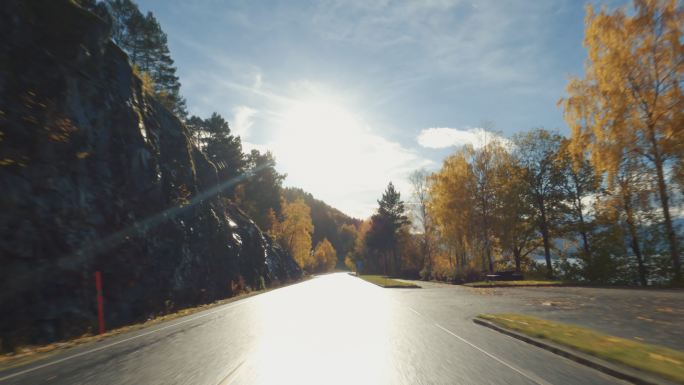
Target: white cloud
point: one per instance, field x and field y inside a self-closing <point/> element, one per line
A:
<point x="243" y="119"/>
<point x="337" y="156"/>
<point x="443" y="137"/>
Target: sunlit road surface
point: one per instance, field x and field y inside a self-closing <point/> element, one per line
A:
<point x="333" y="329"/>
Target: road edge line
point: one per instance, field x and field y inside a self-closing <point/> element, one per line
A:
<point x="530" y="376"/>
<point x="615" y="370"/>
<point x="111" y="344"/>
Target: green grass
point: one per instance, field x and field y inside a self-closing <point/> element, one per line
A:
<point x="513" y="283"/>
<point x="662" y="361"/>
<point x="383" y="281"/>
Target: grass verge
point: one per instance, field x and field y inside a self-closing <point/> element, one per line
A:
<point x="27" y="354"/>
<point x="383" y="281"/>
<point x="514" y="283"/>
<point x="659" y="360"/>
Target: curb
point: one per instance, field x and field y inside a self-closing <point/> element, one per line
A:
<point x="513" y="286"/>
<point x="622" y="372"/>
<point x="390" y="286"/>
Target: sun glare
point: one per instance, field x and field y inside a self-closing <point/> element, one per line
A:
<point x="320" y="126"/>
<point x="334" y="153"/>
<point x="324" y="139"/>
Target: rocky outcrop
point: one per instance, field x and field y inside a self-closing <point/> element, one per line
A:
<point x="98" y="176"/>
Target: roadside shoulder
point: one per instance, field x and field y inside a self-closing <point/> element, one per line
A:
<point x="621" y="371"/>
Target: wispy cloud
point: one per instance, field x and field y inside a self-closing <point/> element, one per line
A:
<point x="243" y="119"/>
<point x="443" y="137"/>
<point x="394" y="66"/>
<point x="490" y="41"/>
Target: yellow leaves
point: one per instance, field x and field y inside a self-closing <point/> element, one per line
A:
<point x="61" y="129"/>
<point x="183" y="195"/>
<point x="22" y="161"/>
<point x="82" y="154"/>
<point x="146" y="80"/>
<point x="630" y="99"/>
<point x="294" y="233"/>
<point x="659" y="357"/>
<point x="325" y="256"/>
<point x="349" y="263"/>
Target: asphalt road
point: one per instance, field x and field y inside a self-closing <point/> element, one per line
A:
<point x="333" y="329"/>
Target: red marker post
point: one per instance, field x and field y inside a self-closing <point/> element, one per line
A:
<point x="100" y="307"/>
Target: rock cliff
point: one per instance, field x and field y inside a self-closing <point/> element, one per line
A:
<point x="96" y="175"/>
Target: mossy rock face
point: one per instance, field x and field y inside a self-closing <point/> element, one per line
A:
<point x="98" y="176"/>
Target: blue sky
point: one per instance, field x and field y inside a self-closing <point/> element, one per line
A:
<point x="352" y="94"/>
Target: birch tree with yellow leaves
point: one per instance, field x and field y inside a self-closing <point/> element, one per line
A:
<point x="630" y="101"/>
<point x="325" y="256"/>
<point x="294" y="232"/>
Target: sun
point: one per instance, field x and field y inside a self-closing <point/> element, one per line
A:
<point x="320" y="123"/>
<point x="320" y="143"/>
<point x="329" y="148"/>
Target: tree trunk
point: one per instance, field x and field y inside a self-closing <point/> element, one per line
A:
<point x="585" y="242"/>
<point x="485" y="234"/>
<point x="489" y="258"/>
<point x="669" y="229"/>
<point x="516" y="257"/>
<point x="427" y="257"/>
<point x="396" y="263"/>
<point x="636" y="249"/>
<point x="544" y="227"/>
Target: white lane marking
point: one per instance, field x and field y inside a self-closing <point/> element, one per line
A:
<point x="122" y="341"/>
<point x="525" y="374"/>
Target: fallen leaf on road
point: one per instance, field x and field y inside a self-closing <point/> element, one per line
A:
<point x="663" y="358"/>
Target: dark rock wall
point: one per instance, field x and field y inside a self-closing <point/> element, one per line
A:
<point x="96" y="175"/>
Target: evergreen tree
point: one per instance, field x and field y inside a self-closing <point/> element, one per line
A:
<point x="261" y="190"/>
<point x="223" y="149"/>
<point x="385" y="226"/>
<point x="142" y="37"/>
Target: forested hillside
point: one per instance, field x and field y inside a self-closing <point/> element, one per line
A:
<point x="328" y="222"/>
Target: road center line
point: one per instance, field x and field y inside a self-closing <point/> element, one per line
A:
<point x="29" y="370"/>
<point x="525" y="374"/>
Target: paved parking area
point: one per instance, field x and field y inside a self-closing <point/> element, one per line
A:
<point x="652" y="316"/>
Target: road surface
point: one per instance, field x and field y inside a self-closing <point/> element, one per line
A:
<point x="333" y="329"/>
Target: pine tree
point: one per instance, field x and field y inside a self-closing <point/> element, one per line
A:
<point x="223" y="149"/>
<point x="385" y="226"/>
<point x="142" y="37"/>
<point x="261" y="189"/>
